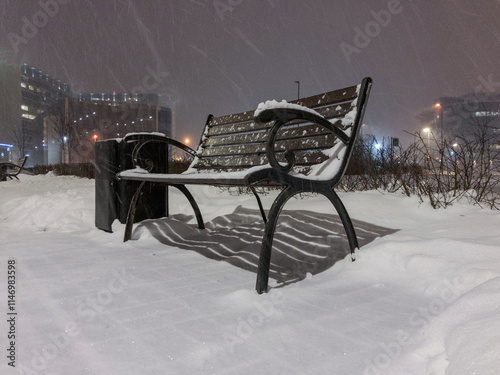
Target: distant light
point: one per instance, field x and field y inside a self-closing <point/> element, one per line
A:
<point x="95" y="136"/>
<point x="426" y="130"/>
<point x="437" y="105"/>
<point x="455" y="144"/>
<point x="187" y="140"/>
<point x="377" y="146"/>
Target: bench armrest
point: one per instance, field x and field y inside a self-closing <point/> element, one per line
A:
<point x="282" y="114"/>
<point x="169" y="141"/>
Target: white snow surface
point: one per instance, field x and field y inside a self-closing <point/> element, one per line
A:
<point x="274" y="104"/>
<point x="423" y="300"/>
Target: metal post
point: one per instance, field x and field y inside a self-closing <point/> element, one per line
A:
<point x="298" y="89"/>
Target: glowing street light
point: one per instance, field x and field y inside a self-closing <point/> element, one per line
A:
<point x="95" y="136"/>
<point x="440" y="108"/>
<point x="428" y="131"/>
<point x="187" y="140"/>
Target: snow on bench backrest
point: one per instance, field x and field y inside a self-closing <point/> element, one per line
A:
<point x="237" y="142"/>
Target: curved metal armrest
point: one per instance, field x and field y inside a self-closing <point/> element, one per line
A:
<point x="282" y="116"/>
<point x="166" y="140"/>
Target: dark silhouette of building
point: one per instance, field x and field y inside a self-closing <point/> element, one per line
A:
<point x="73" y="125"/>
<point x="43" y="119"/>
<point x="455" y="118"/>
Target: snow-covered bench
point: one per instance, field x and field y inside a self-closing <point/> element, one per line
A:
<point x="11" y="170"/>
<point x="303" y="146"/>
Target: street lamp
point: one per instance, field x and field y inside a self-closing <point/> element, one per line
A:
<point x="298" y="89"/>
<point x="428" y="153"/>
<point x="428" y="131"/>
<point x="440" y="115"/>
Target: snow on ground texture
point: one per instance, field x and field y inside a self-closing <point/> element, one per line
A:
<point x="422" y="300"/>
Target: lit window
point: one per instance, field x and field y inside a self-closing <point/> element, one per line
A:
<point x="486" y="113"/>
<point x="28" y="116"/>
<point x="23" y="84"/>
<point x="31" y="88"/>
<point x="24" y="107"/>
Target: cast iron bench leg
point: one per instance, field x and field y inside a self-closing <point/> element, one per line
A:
<point x="133" y="205"/>
<point x="191" y="200"/>
<point x="267" y="241"/>
<point x="261" y="208"/>
<point x="346" y="221"/>
<point x="131" y="213"/>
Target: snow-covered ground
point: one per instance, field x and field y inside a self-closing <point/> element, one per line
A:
<point x="423" y="296"/>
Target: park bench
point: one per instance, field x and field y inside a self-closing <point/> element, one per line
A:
<point x="301" y="146"/>
<point x="11" y="170"/>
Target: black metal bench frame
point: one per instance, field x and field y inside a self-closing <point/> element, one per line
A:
<point x="278" y="169"/>
<point x="11" y="170"/>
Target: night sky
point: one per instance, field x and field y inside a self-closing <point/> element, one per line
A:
<point x="226" y="56"/>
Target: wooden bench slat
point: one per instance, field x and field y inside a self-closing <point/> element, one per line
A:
<point x="329" y="113"/>
<point x="289" y="132"/>
<point x="315" y="101"/>
<point x="306" y="143"/>
<point x="337" y="96"/>
<point x="302" y="158"/>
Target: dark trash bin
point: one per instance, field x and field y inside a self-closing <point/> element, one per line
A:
<point x="113" y="197"/>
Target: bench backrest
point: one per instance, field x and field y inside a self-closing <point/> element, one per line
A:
<point x="16" y="168"/>
<point x="236" y="142"/>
